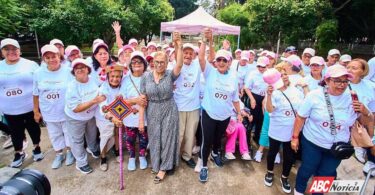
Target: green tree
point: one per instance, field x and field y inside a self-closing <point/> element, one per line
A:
<point x="183" y="7"/>
<point x="11" y="16"/>
<point x="326" y="34"/>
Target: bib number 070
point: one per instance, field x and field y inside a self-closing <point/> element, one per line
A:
<point x="221" y="96"/>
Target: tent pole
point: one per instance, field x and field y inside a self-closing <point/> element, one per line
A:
<point x="161" y="34"/>
<point x="238" y="41"/>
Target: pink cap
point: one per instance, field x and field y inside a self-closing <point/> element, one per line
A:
<point x="49" y="48"/>
<point x="310" y="51"/>
<point x="263" y="61"/>
<point x="238" y="50"/>
<point x="222" y="54"/>
<point x="96" y="41"/>
<point x="294" y="60"/>
<point x="271" y="54"/>
<point x="188" y="45"/>
<point x="71" y="48"/>
<point x="132" y="40"/>
<point x="125" y="47"/>
<point x="337" y="70"/>
<point x="264" y="52"/>
<point x="79" y="61"/>
<point x="139" y="54"/>
<point x="151" y="56"/>
<point x="151" y="44"/>
<point x="100" y="44"/>
<point x="334" y="52"/>
<point x="245" y="55"/>
<point x="56" y="41"/>
<point x="317" y="60"/>
<point x="273" y="77"/>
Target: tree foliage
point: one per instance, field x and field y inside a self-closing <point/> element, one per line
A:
<point x="11" y="16"/>
<point x="183" y="7"/>
<point x="326" y="34"/>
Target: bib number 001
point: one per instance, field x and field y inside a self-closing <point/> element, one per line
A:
<point x="53" y="96"/>
<point x="221" y="96"/>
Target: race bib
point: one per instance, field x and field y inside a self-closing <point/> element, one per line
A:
<point x="12" y="92"/>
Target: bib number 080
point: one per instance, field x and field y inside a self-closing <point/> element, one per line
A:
<point x="14" y="92"/>
<point x="221" y="96"/>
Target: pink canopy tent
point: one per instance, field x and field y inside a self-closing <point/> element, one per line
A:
<point x="195" y="22"/>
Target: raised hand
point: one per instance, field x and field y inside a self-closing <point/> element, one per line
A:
<point x="116" y="27"/>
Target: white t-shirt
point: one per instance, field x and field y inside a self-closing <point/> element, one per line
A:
<point x="254" y="81"/>
<point x="241" y="72"/>
<point x="16" y="86"/>
<point x="78" y="93"/>
<point x="294" y="78"/>
<point x="110" y="94"/>
<point x="201" y="87"/>
<point x="282" y="118"/>
<point x="171" y="65"/>
<point x="128" y="91"/>
<point x="186" y="94"/>
<point x="311" y="82"/>
<point x="221" y="91"/>
<point x="306" y="69"/>
<point x="51" y="86"/>
<point x="365" y="93"/>
<point x="371" y="73"/>
<point x="317" y="126"/>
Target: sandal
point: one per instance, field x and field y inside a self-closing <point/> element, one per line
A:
<point x="157" y="180"/>
<point x="154" y="172"/>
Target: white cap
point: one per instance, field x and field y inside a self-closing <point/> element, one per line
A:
<point x="245" y="55"/>
<point x="188" y="45"/>
<point x="132" y="40"/>
<point x="264" y="52"/>
<point x="9" y="41"/>
<point x="271" y="54"/>
<point x="334" y="52"/>
<point x="238" y="50"/>
<point x="139" y="54"/>
<point x="345" y="58"/>
<point x="310" y="51"/>
<point x="150" y="44"/>
<point x="263" y="61"/>
<point x="70" y="48"/>
<point x="317" y="60"/>
<point x="222" y="54"/>
<point x="49" y="48"/>
<point x="252" y="51"/>
<point x="79" y="61"/>
<point x="98" y="45"/>
<point x="294" y="60"/>
<point x="56" y="41"/>
<point x="125" y="47"/>
<point x="96" y="41"/>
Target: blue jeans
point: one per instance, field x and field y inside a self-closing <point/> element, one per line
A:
<point x="316" y="161"/>
<point x="370" y="157"/>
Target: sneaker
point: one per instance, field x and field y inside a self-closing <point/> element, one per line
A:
<point x="84" y="169"/>
<point x="196" y="149"/>
<point x="246" y="156"/>
<point x="203" y="175"/>
<point x="18" y="159"/>
<point x="268" y="179"/>
<point x="285" y="185"/>
<point x="95" y="154"/>
<point x="131" y="164"/>
<point x="69" y="158"/>
<point x="278" y="159"/>
<point x="360" y="154"/>
<point x="369" y="165"/>
<point x="116" y="152"/>
<point x="57" y="162"/>
<point x="8" y="143"/>
<point x="37" y="154"/>
<point x="103" y="164"/>
<point x="25" y="144"/>
<point x="229" y="156"/>
<point x="199" y="165"/>
<point x="142" y="162"/>
<point x="258" y="156"/>
<point x="216" y="158"/>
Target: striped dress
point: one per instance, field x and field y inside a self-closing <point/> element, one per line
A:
<point x="162" y="120"/>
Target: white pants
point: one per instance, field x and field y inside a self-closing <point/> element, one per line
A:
<point x="106" y="129"/>
<point x="58" y="134"/>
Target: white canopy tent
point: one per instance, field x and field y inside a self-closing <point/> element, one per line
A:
<point x="195" y="22"/>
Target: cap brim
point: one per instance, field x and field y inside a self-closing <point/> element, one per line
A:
<point x="279" y="83"/>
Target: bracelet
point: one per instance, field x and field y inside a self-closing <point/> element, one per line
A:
<point x="294" y="137"/>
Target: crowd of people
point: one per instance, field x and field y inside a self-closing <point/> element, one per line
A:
<point x="188" y="99"/>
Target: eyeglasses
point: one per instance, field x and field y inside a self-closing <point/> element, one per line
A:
<point x="159" y="62"/>
<point x="80" y="68"/>
<point x="222" y="59"/>
<point x="261" y="67"/>
<point x="339" y="82"/>
<point x="137" y="62"/>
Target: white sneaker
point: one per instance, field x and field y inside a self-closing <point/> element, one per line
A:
<point x="278" y="159"/>
<point x="199" y="166"/>
<point x="57" y="162"/>
<point x="8" y="143"/>
<point x="229" y="156"/>
<point x="360" y="154"/>
<point x="246" y="156"/>
<point x="258" y="156"/>
<point x="25" y="145"/>
<point x="369" y="165"/>
<point x="196" y="149"/>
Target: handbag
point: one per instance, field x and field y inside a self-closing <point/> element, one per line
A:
<point x="340" y="150"/>
<point x="359" y="136"/>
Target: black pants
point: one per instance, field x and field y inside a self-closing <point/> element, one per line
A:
<point x="288" y="155"/>
<point x="18" y="124"/>
<point x="257" y="116"/>
<point x="4" y="128"/>
<point x="198" y="133"/>
<point x="212" y="131"/>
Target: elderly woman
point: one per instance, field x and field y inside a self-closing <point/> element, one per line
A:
<point x="282" y="100"/>
<point x="16" y="83"/>
<point x="161" y="112"/>
<point x="72" y="52"/>
<point x="363" y="88"/>
<point x="124" y="54"/>
<point x="49" y="90"/>
<point x="331" y="112"/>
<point x="100" y="60"/>
<point x="315" y="75"/>
<point x="81" y="102"/>
<point x="130" y="90"/>
<point x="294" y="70"/>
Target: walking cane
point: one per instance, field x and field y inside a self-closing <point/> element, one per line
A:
<point x="121" y="160"/>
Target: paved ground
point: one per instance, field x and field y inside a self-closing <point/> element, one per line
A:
<point x="236" y="177"/>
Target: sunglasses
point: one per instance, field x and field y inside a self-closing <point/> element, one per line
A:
<point x="260" y="67"/>
<point x="222" y="59"/>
